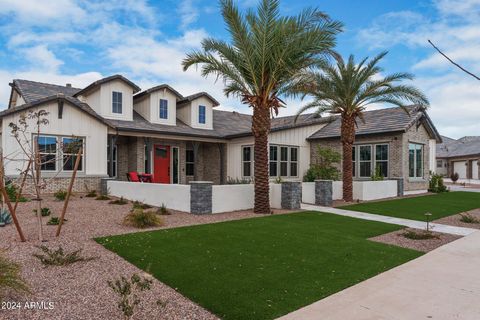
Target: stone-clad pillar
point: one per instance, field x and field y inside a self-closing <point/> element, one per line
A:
<point x="291" y="195"/>
<point x="201" y="197"/>
<point x="400" y="187"/>
<point x="324" y="192"/>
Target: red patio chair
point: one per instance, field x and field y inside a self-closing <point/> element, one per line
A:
<point x="133" y="177"/>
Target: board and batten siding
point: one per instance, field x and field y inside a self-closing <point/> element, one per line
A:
<point x="74" y="122"/>
<point x="290" y="137"/>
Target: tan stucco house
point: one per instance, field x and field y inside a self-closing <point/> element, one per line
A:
<point x="181" y="138"/>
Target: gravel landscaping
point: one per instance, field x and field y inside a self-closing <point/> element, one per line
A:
<point x="396" y="238"/>
<point x="455" y="220"/>
<point x="80" y="290"/>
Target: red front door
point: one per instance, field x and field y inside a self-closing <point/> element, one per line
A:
<point x="161" y="164"/>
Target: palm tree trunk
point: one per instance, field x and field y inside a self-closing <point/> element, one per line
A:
<point x="260" y="130"/>
<point x="348" y="138"/>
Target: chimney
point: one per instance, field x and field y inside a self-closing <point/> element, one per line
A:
<point x="69" y="85"/>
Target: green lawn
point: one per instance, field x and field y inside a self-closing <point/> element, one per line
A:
<point x="262" y="268"/>
<point x="440" y="205"/>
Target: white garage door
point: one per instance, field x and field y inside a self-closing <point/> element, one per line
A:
<point x="460" y="168"/>
<point x="475" y="170"/>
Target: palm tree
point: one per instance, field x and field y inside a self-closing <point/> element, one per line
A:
<point x="267" y="53"/>
<point x="346" y="89"/>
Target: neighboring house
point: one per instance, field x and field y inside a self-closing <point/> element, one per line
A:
<point x="461" y="156"/>
<point x="183" y="138"/>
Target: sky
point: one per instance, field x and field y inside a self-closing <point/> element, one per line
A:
<point x="78" y="42"/>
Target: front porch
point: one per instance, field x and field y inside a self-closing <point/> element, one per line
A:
<point x="170" y="161"/>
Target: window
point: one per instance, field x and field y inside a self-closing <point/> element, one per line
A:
<point x="354" y="163"/>
<point x="146" y="159"/>
<point x="365" y="161"/>
<point x="247" y="161"/>
<point x="114" y="160"/>
<point x="189" y="162"/>
<point x="381" y="159"/>
<point x="415" y="160"/>
<point x="163" y="112"/>
<point x="273" y="157"/>
<point x="47" y="147"/>
<point x="439" y="163"/>
<point x="116" y="102"/>
<point x="70" y="147"/>
<point x="283" y="161"/>
<point x="201" y="114"/>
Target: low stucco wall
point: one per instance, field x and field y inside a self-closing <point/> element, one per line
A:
<point x="226" y="198"/>
<point x="173" y="196"/>
<point x="308" y="192"/>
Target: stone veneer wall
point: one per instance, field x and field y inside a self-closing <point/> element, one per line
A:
<point x="416" y="135"/>
<point x="81" y="184"/>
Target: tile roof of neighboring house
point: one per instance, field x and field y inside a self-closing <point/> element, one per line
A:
<point x="156" y="88"/>
<point x="32" y="90"/>
<point x="466" y="146"/>
<point x="198" y="95"/>
<point x="381" y="121"/>
<point x="93" y="85"/>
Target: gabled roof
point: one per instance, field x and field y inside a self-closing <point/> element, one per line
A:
<point x="95" y="84"/>
<point x="192" y="97"/>
<point x="465" y="146"/>
<point x="33" y="90"/>
<point x="381" y="121"/>
<point x="156" y="88"/>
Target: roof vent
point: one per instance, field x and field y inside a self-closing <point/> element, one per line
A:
<point x="68" y="85"/>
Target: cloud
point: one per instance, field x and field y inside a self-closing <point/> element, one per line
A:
<point x="188" y="13"/>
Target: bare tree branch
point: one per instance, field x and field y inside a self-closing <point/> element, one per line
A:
<point x="453" y="62"/>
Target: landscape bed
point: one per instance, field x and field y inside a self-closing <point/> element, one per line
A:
<point x="414" y="208"/>
<point x="262" y="268"/>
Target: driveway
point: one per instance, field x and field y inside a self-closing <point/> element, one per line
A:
<point x="444" y="284"/>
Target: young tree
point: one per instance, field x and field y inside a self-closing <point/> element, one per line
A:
<point x="266" y="54"/>
<point x="347" y="89"/>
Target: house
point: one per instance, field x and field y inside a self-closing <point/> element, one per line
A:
<point x="180" y="138"/>
<point x="461" y="156"/>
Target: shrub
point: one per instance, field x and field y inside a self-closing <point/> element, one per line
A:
<point x="378" y="176"/>
<point x="125" y="288"/>
<point x="325" y="167"/>
<point x="454" y="176"/>
<point x="12" y="192"/>
<point x="5" y="217"/>
<point x="436" y="183"/>
<point x="140" y="205"/>
<point x="59" y="257"/>
<point x="60" y="195"/>
<point x="140" y="218"/>
<point x="45" y="212"/>
<point x="55" y="221"/>
<point x="102" y="197"/>
<point x="421" y="235"/>
<point x="238" y="181"/>
<point x="278" y="180"/>
<point x="163" y="210"/>
<point x="120" y="201"/>
<point x="91" y="194"/>
<point x="468" y="218"/>
<point x="10" y="278"/>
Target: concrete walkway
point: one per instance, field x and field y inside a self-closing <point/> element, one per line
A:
<point x="443" y="284"/>
<point x="403" y="222"/>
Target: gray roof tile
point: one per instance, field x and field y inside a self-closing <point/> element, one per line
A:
<point x="32" y="90"/>
<point x="466" y="146"/>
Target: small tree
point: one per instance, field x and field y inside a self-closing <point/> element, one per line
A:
<point x="325" y="167"/>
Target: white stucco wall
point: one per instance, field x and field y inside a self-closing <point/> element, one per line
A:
<point x="173" y="196"/>
<point x="367" y="190"/>
<point x="101" y="100"/>
<point x="291" y="137"/>
<point x="308" y="192"/>
<point x="74" y="122"/>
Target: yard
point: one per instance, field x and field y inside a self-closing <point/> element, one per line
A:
<point x="414" y="208"/>
<point x="265" y="267"/>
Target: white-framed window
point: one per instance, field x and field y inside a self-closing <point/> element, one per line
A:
<point x="439" y="163"/>
<point x="247" y="161"/>
<point x="354" y="162"/>
<point x="163" y="111"/>
<point x="202" y="114"/>
<point x="381" y="159"/>
<point x="114" y="160"/>
<point x="116" y="102"/>
<point x="283" y="161"/>
<point x="70" y="148"/>
<point x="415" y="160"/>
<point x="365" y="161"/>
<point x="189" y="162"/>
<point x="47" y="147"/>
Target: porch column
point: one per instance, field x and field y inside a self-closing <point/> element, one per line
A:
<point x="112" y="141"/>
<point x="196" y="145"/>
<point x="221" y="150"/>
<point x="148" y="144"/>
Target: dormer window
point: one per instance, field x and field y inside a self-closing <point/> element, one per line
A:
<point x="201" y="114"/>
<point x="163" y="109"/>
<point x="116" y="102"/>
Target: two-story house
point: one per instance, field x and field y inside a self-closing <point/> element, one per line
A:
<point x="181" y="138"/>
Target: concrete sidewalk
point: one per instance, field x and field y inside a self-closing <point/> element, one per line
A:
<point x="443" y="284"/>
<point x="403" y="222"/>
